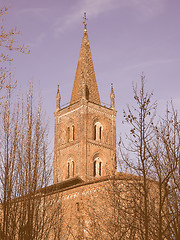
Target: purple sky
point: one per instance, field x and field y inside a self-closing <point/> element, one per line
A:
<point x="127" y="37"/>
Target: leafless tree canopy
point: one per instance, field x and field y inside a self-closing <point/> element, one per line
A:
<point x="152" y="152"/>
<point x="24" y="166"/>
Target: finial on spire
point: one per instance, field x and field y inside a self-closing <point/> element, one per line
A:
<point x="58" y="99"/>
<point x="112" y="97"/>
<point x="85" y="19"/>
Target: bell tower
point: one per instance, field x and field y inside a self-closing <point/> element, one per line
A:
<point x="85" y="130"/>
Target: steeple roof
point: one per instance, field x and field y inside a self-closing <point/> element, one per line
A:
<point x="85" y="79"/>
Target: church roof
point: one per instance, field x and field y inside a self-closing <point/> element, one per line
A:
<point x="77" y="182"/>
<point x="85" y="79"/>
<point x="69" y="183"/>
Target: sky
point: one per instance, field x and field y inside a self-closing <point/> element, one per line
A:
<point x="127" y="38"/>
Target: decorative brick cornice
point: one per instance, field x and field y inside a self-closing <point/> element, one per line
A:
<point x="100" y="144"/>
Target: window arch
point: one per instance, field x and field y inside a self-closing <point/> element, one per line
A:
<point x="97" y="167"/>
<point x="70" y="168"/>
<point x="98" y="129"/>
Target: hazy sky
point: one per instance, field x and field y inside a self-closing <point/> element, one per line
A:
<point x="127" y="37"/>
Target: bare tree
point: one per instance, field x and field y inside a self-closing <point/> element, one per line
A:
<point x="136" y="156"/>
<point x="8" y="153"/>
<point x="152" y="153"/>
<point x="24" y="166"/>
<point x="166" y="162"/>
<point x="163" y="151"/>
<point x="8" y="43"/>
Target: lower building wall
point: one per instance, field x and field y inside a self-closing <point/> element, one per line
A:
<point x="108" y="208"/>
<point x="103" y="210"/>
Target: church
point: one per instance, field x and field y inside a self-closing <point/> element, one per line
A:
<point x="89" y="199"/>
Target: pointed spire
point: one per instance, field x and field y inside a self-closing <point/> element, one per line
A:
<point x="112" y="97"/>
<point x="58" y="99"/>
<point x="85" y="79"/>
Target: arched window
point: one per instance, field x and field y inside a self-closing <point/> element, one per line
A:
<point x="71" y="133"/>
<point x="97" y="167"/>
<point x="98" y="129"/>
<point x="70" y="168"/>
<point x="77" y="206"/>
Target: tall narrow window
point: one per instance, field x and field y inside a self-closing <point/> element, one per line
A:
<point x="94" y="168"/>
<point x="68" y="134"/>
<point x="77" y="207"/>
<point x="98" y="129"/>
<point x="100" y="132"/>
<point x="72" y="168"/>
<point x="68" y="169"/>
<point x="94" y="132"/>
<point x="100" y="165"/>
<point x="97" y="171"/>
<point x="73" y="136"/>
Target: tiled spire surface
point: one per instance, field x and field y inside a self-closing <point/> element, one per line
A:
<point x="85" y="79"/>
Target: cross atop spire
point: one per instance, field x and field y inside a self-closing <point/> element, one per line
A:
<point x="85" y="19"/>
